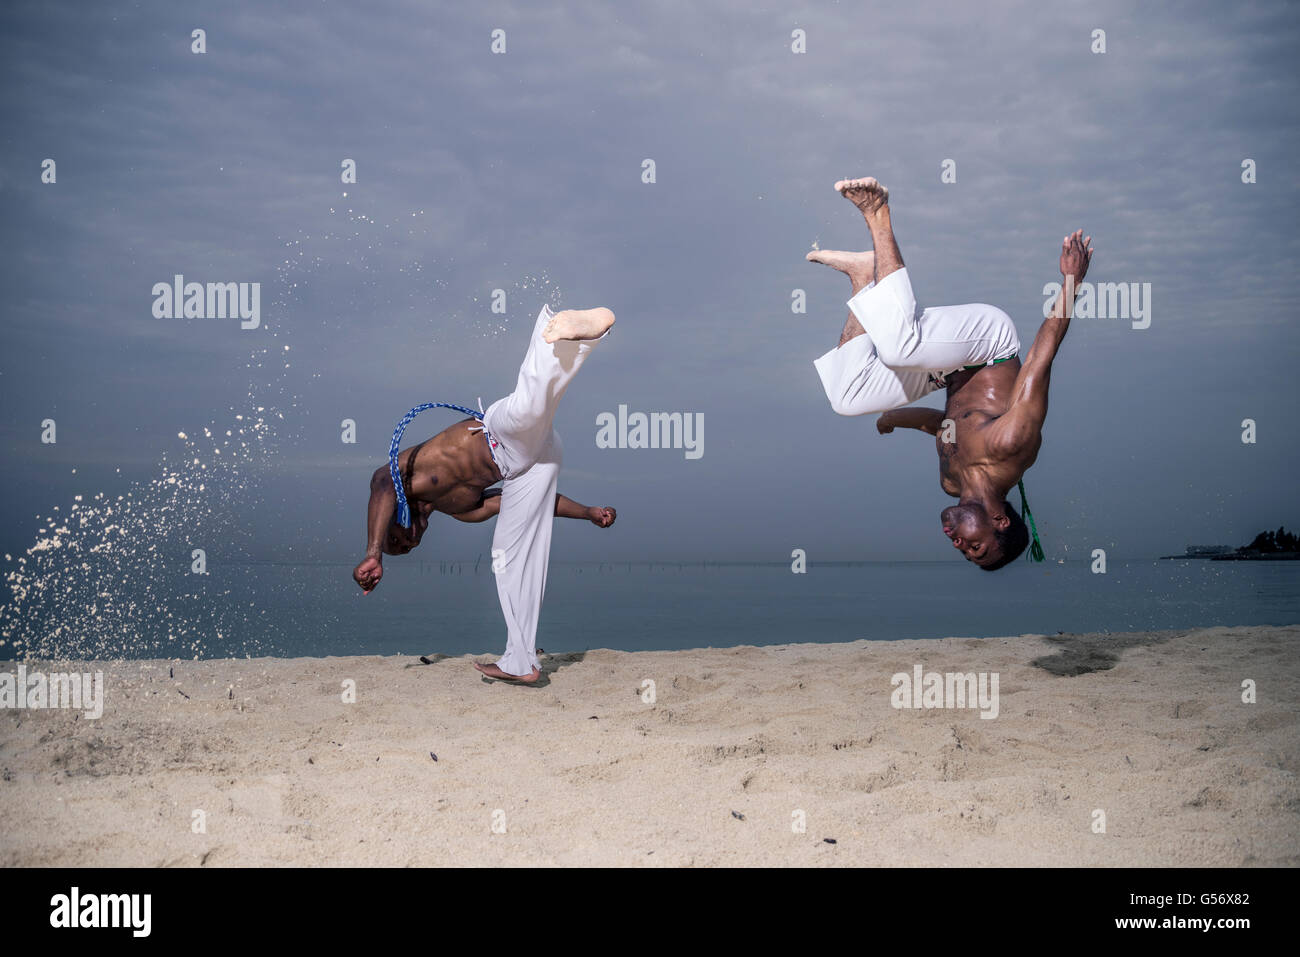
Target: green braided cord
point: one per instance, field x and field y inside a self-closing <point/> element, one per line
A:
<point x="1035" y="553"/>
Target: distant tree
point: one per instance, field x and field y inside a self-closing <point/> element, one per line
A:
<point x="1279" y="541"/>
<point x="1263" y="542"/>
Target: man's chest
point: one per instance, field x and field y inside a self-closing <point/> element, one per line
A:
<point x="962" y="440"/>
<point x="454" y="499"/>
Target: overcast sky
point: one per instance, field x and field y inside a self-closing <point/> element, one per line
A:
<point x="522" y="171"/>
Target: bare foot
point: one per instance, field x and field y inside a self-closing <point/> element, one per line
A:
<point x="492" y="671"/>
<point x="578" y="324"/>
<point x="859" y="267"/>
<point x="866" y="194"/>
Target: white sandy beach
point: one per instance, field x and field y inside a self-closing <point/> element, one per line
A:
<point x="582" y="771"/>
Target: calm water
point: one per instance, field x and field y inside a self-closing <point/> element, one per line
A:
<point x="295" y="610"/>
<point x="317" y="610"/>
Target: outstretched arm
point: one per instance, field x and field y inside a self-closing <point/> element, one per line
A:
<point x="565" y="507"/>
<point x="488" y="507"/>
<point x="1028" y="410"/>
<point x="379" y="517"/>
<point x="602" y="516"/>
<point x="923" y="420"/>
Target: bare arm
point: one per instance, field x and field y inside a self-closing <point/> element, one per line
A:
<point x="379" y="515"/>
<point x="602" y="516"/>
<point x="565" y="507"/>
<point x="1028" y="410"/>
<point x="923" y="420"/>
<point x="487" y="508"/>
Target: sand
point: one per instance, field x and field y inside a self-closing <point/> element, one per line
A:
<point x="739" y="746"/>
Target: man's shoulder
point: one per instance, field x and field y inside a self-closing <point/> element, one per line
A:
<point x="972" y="422"/>
<point x="1014" y="445"/>
<point x="1002" y="438"/>
<point x="989" y="437"/>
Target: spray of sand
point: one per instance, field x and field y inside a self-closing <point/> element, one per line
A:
<point x="114" y="574"/>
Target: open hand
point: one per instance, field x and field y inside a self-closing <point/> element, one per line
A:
<point x="603" y="517"/>
<point x="368" y="573"/>
<point x="1076" y="253"/>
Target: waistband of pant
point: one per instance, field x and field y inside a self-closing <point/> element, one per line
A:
<point x="940" y="379"/>
<point x="991" y="362"/>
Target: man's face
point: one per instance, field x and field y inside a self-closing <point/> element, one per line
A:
<point x="970" y="530"/>
<point x="401" y="540"/>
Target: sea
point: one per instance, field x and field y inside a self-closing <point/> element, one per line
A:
<point x="450" y="608"/>
<point x="422" y="607"/>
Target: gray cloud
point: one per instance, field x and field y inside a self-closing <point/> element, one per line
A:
<point x="523" y="173"/>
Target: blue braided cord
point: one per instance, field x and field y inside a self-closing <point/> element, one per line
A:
<point x="403" y="510"/>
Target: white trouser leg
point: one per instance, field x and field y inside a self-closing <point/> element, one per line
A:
<point x="940" y="339"/>
<point x="528" y="453"/>
<point x="858" y="383"/>
<point x="521" y="422"/>
<point x="890" y="366"/>
<point x="521" y="552"/>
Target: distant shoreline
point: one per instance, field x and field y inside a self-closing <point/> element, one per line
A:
<point x="1244" y="556"/>
<point x="720" y="563"/>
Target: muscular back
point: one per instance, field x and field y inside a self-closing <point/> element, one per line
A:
<point x="449" y="472"/>
<point x="977" y="400"/>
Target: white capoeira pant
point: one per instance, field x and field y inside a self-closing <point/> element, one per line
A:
<point x="908" y="353"/>
<point x="528" y="452"/>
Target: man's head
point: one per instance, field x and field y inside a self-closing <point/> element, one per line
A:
<point x="990" y="540"/>
<point x="401" y="540"/>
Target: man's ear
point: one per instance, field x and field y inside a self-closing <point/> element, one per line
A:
<point x="1000" y="521"/>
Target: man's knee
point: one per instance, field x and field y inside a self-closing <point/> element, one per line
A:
<point x="555" y="450"/>
<point x="895" y="355"/>
<point x="899" y="353"/>
<point x="857" y="405"/>
<point x="841" y="408"/>
<point x="1006" y="329"/>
